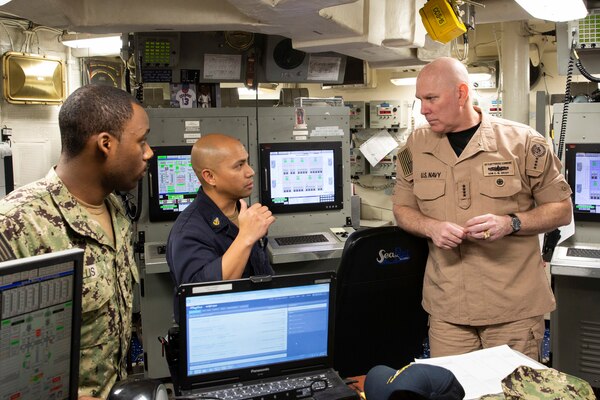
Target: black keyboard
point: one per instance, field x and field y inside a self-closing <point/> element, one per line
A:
<point x="302" y="239"/>
<point x="588" y="253"/>
<point x="293" y="388"/>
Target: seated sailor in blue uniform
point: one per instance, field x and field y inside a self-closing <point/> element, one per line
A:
<point x="218" y="236"/>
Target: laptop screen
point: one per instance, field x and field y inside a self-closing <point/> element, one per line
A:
<point x="244" y="330"/>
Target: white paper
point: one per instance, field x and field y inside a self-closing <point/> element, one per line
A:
<point x="222" y="66"/>
<point x="378" y="146"/>
<point x="481" y="372"/>
<point x="322" y="68"/>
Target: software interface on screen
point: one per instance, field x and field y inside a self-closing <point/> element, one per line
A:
<point x="587" y="182"/>
<point x="237" y="330"/>
<point x="177" y="182"/>
<point x="35" y="332"/>
<point x="301" y="176"/>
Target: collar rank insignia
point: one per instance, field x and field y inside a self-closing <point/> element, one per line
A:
<point x="216" y="221"/>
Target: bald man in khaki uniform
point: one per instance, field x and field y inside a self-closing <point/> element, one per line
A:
<point x="480" y="189"/>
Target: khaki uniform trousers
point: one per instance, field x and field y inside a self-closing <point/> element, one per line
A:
<point x="525" y="336"/>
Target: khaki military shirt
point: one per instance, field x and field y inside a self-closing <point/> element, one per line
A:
<point x="506" y="168"/>
<point x="43" y="217"/>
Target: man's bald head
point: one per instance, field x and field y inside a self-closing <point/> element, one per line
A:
<point x="210" y="150"/>
<point x="445" y="71"/>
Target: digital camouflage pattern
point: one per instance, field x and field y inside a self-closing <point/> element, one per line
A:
<point x="542" y="384"/>
<point x="42" y="217"/>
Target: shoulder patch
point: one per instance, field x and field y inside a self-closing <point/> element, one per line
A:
<point x="536" y="157"/>
<point x="538" y="150"/>
<point x="405" y="161"/>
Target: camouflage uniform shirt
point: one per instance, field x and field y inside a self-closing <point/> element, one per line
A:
<point x="42" y="217"/>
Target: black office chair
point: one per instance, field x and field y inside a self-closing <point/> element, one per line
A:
<point x="380" y="319"/>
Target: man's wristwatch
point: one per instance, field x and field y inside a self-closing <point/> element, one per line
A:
<point x="515" y="223"/>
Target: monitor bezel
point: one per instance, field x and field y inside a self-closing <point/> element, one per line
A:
<point x="155" y="214"/>
<point x="74" y="255"/>
<point x="571" y="150"/>
<point x="265" y="186"/>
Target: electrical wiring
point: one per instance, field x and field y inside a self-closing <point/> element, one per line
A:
<point x="12" y="45"/>
<point x="373" y="187"/>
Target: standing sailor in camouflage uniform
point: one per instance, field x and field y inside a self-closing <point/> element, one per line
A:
<point x="103" y="136"/>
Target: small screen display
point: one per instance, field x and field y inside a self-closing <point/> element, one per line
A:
<point x="582" y="162"/>
<point x="173" y="182"/>
<point x="301" y="176"/>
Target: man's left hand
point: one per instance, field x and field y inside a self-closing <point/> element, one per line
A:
<point x="488" y="227"/>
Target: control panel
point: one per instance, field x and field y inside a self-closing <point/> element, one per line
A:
<point x="155" y="259"/>
<point x="357" y="114"/>
<point x="492" y="106"/>
<point x="357" y="163"/>
<point x="385" y="114"/>
<point x="342" y="233"/>
<point x="385" y="167"/>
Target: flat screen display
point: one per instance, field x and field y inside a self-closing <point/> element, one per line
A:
<point x="173" y="183"/>
<point x="40" y="326"/>
<point x="301" y="176"/>
<point x="582" y="166"/>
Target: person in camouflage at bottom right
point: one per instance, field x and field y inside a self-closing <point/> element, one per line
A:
<point x="542" y="384"/>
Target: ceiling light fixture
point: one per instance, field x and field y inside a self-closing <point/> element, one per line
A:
<point x="555" y="10"/>
<point x="476" y="74"/>
<point x="480" y="73"/>
<point x="100" y="44"/>
<point x="404" y="81"/>
<point x="406" y="77"/>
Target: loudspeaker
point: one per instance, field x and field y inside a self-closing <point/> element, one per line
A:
<point x="284" y="64"/>
<point x="33" y="79"/>
<point x="104" y="72"/>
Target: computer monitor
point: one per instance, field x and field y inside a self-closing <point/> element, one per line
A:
<point x="172" y="182"/>
<point x="40" y="314"/>
<point x="582" y="167"/>
<point x="301" y="176"/>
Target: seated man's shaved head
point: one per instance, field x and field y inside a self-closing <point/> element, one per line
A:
<point x="210" y="150"/>
<point x="218" y="236"/>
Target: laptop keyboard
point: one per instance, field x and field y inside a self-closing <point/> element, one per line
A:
<point x="588" y="253"/>
<point x="293" y="388"/>
<point x="302" y="239"/>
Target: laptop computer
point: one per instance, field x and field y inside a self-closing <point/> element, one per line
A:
<point x="266" y="337"/>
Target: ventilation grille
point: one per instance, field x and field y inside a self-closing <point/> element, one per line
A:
<point x="590" y="347"/>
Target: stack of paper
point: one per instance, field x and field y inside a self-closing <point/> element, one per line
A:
<point x="481" y="372"/>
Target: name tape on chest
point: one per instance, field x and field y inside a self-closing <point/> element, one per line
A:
<point x="498" y="168"/>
